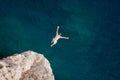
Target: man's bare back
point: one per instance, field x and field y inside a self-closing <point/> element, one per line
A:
<point x="57" y="37"/>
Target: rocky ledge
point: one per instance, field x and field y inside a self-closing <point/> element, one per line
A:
<point x="28" y="65"/>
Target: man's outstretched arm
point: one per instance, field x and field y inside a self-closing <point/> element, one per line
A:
<point x="64" y="37"/>
<point x="57" y="30"/>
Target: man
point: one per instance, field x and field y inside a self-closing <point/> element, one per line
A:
<point x="57" y="37"/>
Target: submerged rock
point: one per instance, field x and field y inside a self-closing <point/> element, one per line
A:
<point x="28" y="65"/>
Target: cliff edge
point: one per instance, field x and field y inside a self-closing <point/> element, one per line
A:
<point x="28" y="65"/>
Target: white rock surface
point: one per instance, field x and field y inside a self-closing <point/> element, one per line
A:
<point x="28" y="65"/>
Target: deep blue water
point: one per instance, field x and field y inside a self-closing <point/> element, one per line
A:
<point x="91" y="53"/>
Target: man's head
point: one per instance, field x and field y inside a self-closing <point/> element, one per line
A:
<point x="60" y="34"/>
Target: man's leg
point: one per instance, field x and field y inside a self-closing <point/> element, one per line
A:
<point x="52" y="44"/>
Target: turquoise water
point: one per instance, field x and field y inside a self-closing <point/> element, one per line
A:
<point x="91" y="53"/>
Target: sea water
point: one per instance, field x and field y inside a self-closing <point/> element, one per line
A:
<point x="93" y="26"/>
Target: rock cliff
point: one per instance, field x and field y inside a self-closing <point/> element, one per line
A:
<point x="28" y="65"/>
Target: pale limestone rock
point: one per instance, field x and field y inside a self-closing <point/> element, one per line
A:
<point x="28" y="65"/>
